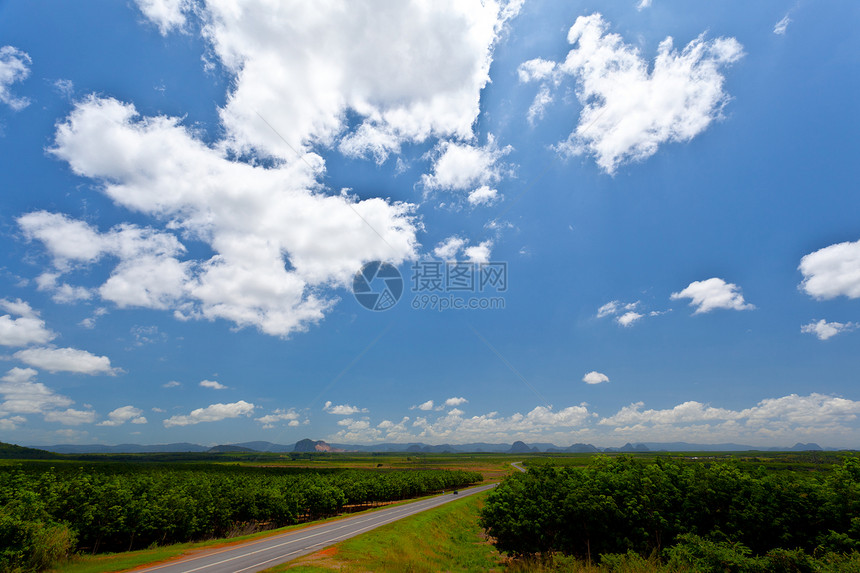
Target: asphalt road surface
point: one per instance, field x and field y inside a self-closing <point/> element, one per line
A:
<point x="518" y="466"/>
<point x="268" y="552"/>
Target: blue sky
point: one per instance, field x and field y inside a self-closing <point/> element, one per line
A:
<point x="189" y="188"/>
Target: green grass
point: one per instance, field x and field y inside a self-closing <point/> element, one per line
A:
<point x="443" y="539"/>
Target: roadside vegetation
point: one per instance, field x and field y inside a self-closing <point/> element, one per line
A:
<point x="49" y="512"/>
<point x="628" y="514"/>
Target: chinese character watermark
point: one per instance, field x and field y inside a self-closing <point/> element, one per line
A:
<point x="435" y="285"/>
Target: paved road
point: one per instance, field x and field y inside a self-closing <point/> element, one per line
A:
<point x="518" y="466"/>
<point x="268" y="552"/>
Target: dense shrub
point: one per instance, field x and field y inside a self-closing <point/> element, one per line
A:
<point x="707" y="515"/>
<point x="45" y="513"/>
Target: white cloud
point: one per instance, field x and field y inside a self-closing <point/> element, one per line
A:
<point x="426" y="406"/>
<point x="628" y="318"/>
<point x="71" y="417"/>
<point x="14" y="67"/>
<point x="11" y="423"/>
<point x="479" y="253"/>
<point x="212" y="384"/>
<point x="781" y="26"/>
<point x="278" y="238"/>
<point x="789" y="417"/>
<point x="455" y="401"/>
<point x="62" y="293"/>
<point x="212" y="413"/>
<point x="615" y="307"/>
<point x="20" y="375"/>
<point x="483" y="195"/>
<point x="22" y="395"/>
<point x="832" y="271"/>
<point x="624" y="312"/>
<point x="781" y="421"/>
<point x="171" y="384"/>
<point x="595" y="377"/>
<point x="343" y="409"/>
<point x="712" y="294"/>
<point x="407" y="70"/>
<point x="124" y="414"/>
<point x="27" y="329"/>
<point x="536" y="69"/>
<point x="65" y="88"/>
<point x="629" y="108"/>
<point x="643" y="4"/>
<point x="65" y="360"/>
<point x="453" y="427"/>
<point x="542" y="99"/>
<point x="448" y="249"/>
<point x="166" y="14"/>
<point x="824" y="330"/>
<point x="148" y="274"/>
<point x="463" y="167"/>
<point x="270" y="420"/>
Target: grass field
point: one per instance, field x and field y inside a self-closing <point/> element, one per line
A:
<point x="444" y="539"/>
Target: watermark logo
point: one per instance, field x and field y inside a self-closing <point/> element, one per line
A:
<point x="377" y="286"/>
<point x="436" y="285"/>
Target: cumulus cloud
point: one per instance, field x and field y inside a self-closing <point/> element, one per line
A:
<point x="166" y="14"/>
<point x="595" y="377"/>
<point x="786" y="417"/>
<point x="824" y="330"/>
<point x="483" y="195"/>
<point x="122" y="415"/>
<point x="454" y="427"/>
<point x="23" y="395"/>
<point x="624" y="313"/>
<point x="65" y="360"/>
<point x="832" y="271"/>
<point x="171" y="384"/>
<point x="712" y="294"/>
<point x="269" y="421"/>
<point x="24" y="330"/>
<point x="14" y="67"/>
<point x="212" y="384"/>
<point x="71" y="417"/>
<point x="212" y="413"/>
<point x="448" y="249"/>
<point x="456" y="401"/>
<point x="628" y="318"/>
<point x="278" y="238"/>
<point x="464" y="167"/>
<point x="817" y="417"/>
<point x="629" y="107"/>
<point x="343" y="409"/>
<point x="407" y="70"/>
<point x="148" y="274"/>
<point x="479" y="253"/>
<point x="428" y="405"/>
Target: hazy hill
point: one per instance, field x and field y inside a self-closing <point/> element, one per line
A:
<point x="124" y="448"/>
<point x="308" y="446"/>
<point x="228" y="448"/>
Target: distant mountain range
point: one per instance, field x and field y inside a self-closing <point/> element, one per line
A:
<point x="307" y="445"/>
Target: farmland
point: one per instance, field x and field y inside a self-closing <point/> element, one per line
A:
<point x="568" y="510"/>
